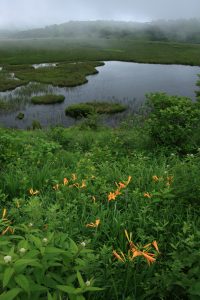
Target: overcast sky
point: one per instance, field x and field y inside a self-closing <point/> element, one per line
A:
<point x="37" y="13"/>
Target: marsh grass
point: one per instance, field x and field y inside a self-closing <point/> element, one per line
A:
<point x="95" y="107"/>
<point x="47" y="99"/>
<point x="63" y="75"/>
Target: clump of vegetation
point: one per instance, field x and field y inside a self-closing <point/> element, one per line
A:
<point x="173" y="121"/>
<point x="65" y="74"/>
<point x="47" y="99"/>
<point x="44" y="265"/>
<point x="4" y="105"/>
<point x="20" y="116"/>
<point x="36" y="125"/>
<point x="88" y="108"/>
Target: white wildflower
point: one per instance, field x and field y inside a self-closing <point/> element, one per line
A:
<point x="45" y="240"/>
<point x="87" y="283"/>
<point x="83" y="244"/>
<point x="7" y="259"/>
<point x="22" y="250"/>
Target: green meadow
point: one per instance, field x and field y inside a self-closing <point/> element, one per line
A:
<point x="97" y="213"/>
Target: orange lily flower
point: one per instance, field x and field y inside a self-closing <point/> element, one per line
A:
<point x="118" y="256"/>
<point x="120" y="185"/>
<point x="148" y="257"/>
<point x="33" y="193"/>
<point x="155" y="178"/>
<point x="93" y="225"/>
<point x="65" y="181"/>
<point x="117" y="192"/>
<point x="111" y="196"/>
<point x="83" y="185"/>
<point x="136" y="253"/>
<point x="147" y="195"/>
<point x="154" y="243"/>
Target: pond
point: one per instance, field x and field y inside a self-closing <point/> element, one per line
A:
<point x="123" y="82"/>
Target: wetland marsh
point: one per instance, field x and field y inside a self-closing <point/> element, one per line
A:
<point x="114" y="81"/>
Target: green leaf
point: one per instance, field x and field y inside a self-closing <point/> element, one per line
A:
<point x="49" y="296"/>
<point x="22" y="263"/>
<point x="80" y="297"/>
<point x="54" y="250"/>
<point x="23" y="282"/>
<point x="10" y="295"/>
<point x="80" y="279"/>
<point x="67" y="289"/>
<point x="93" y="289"/>
<point x="36" y="241"/>
<point x="7" y="276"/>
<point x="195" y="289"/>
<point x="73" y="246"/>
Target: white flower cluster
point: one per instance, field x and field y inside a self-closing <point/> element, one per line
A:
<point x="7" y="259"/>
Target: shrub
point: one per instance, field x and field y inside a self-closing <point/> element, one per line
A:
<point x="173" y="121"/>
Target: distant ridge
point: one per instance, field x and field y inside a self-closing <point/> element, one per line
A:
<point x="176" y="30"/>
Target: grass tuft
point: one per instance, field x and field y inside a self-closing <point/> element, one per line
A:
<point x="88" y="108"/>
<point x="47" y="99"/>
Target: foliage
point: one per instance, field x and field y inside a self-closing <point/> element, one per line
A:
<point x="92" y="186"/>
<point x="47" y="99"/>
<point x="173" y="121"/>
<point x="41" y="265"/>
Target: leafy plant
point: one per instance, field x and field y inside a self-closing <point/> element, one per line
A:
<point x="38" y="266"/>
<point x="173" y="121"/>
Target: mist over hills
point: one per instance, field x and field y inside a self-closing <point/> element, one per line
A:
<point x="173" y="30"/>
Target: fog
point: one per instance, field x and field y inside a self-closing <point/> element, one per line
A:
<point x="21" y="14"/>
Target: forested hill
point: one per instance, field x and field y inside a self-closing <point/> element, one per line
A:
<point x="177" y="30"/>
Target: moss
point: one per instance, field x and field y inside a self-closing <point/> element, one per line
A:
<point x="88" y="108"/>
<point x="47" y="99"/>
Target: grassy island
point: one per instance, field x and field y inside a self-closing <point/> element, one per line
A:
<point x="88" y="108"/>
<point x="47" y="99"/>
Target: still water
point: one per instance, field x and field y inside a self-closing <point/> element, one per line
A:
<point x="123" y="82"/>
